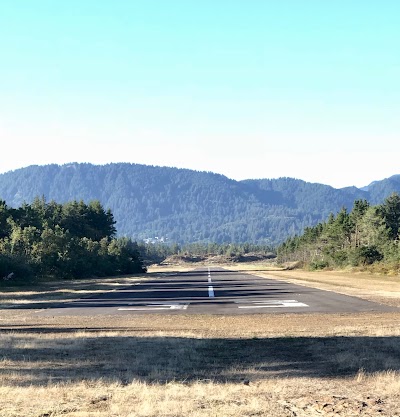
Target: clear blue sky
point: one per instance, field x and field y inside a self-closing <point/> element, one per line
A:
<point x="250" y="89"/>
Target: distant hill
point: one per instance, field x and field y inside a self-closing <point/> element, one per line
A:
<point x="183" y="205"/>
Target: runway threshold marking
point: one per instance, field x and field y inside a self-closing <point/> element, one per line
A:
<point x="272" y="304"/>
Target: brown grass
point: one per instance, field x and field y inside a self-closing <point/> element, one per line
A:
<point x="180" y="365"/>
<point x="196" y="366"/>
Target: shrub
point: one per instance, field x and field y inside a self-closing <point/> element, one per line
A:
<point x="15" y="270"/>
<point x="318" y="264"/>
<point x="366" y="255"/>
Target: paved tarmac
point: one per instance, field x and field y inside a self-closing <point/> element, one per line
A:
<point x="214" y="291"/>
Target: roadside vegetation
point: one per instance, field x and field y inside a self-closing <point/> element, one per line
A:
<point x="44" y="240"/>
<point x="367" y="237"/>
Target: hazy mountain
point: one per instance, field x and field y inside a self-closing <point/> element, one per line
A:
<point x="186" y="206"/>
<point x="379" y="190"/>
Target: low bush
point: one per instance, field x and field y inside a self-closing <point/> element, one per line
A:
<point x="15" y="270"/>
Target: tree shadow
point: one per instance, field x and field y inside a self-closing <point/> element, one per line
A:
<point x="154" y="290"/>
<point x="76" y="355"/>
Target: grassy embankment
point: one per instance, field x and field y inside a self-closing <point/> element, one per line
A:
<point x="165" y="365"/>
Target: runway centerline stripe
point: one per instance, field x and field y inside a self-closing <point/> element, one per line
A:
<point x="211" y="292"/>
<point x="210" y="287"/>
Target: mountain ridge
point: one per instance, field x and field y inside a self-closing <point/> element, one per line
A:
<point x="186" y="205"/>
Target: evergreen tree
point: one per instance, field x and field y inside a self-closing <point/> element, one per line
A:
<point x="70" y="240"/>
<point x="390" y="211"/>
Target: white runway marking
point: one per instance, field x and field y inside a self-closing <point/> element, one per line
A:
<point x="210" y="288"/>
<point x="272" y="304"/>
<point x="170" y="306"/>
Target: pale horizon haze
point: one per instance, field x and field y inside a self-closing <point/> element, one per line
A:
<point x="257" y="89"/>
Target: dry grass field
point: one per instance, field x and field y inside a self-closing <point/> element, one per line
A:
<point x="180" y="365"/>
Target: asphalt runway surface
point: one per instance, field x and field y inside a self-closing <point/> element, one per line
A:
<point x="213" y="291"/>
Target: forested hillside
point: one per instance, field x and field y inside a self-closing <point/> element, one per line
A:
<point x="366" y="235"/>
<point x="185" y="206"/>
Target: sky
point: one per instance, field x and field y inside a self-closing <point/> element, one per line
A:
<point x="307" y="89"/>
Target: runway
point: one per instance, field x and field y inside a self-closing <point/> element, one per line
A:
<point x="214" y="291"/>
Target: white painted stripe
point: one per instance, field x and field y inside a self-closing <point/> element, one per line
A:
<point x="143" y="308"/>
<point x="209" y="277"/>
<point x="156" y="307"/>
<point x="211" y="292"/>
<point x="274" y="306"/>
<point x="264" y="301"/>
<point x="281" y="305"/>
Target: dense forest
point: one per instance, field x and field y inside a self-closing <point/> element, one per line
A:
<point x="367" y="235"/>
<point x="184" y="206"/>
<point x="70" y="240"/>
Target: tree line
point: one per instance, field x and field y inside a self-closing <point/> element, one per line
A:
<point x="367" y="235"/>
<point x="70" y="240"/>
<point x="158" y="252"/>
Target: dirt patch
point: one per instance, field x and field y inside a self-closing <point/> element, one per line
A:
<point x="337" y="405"/>
<point x="213" y="259"/>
